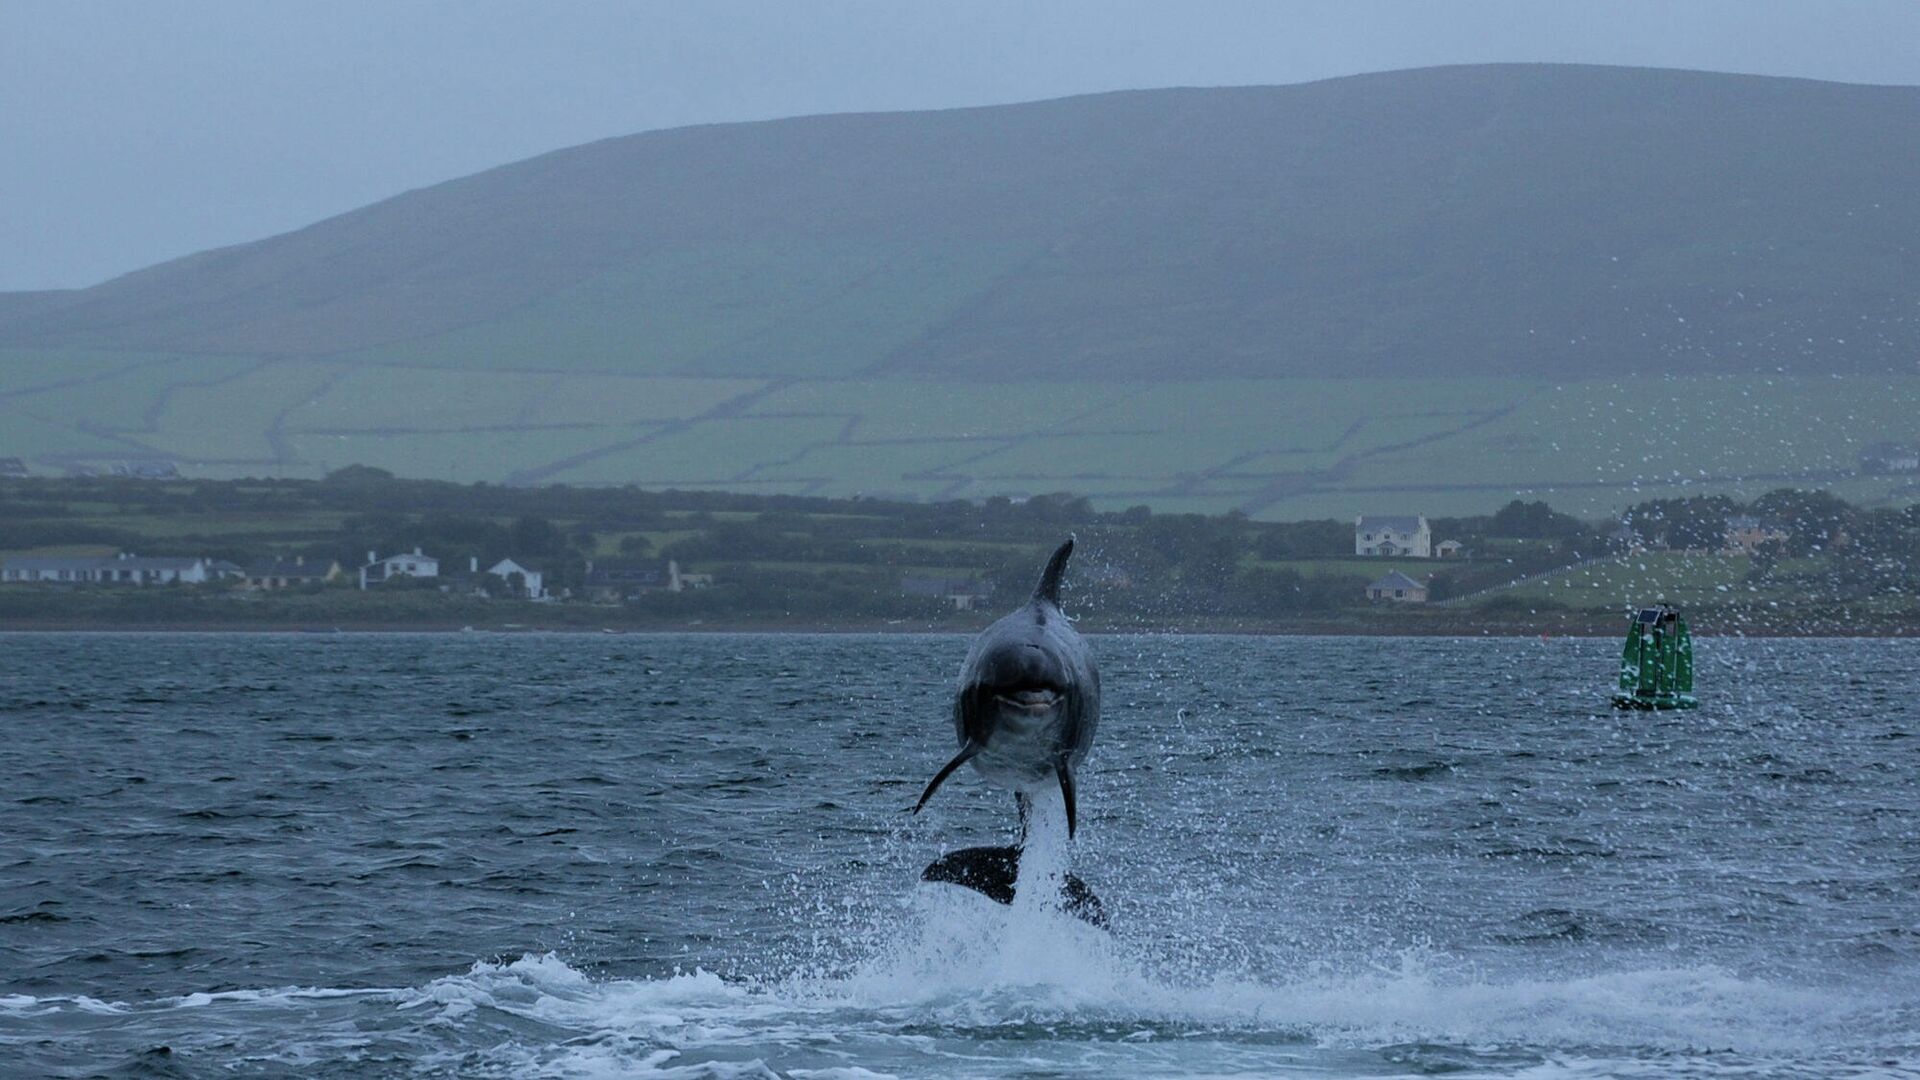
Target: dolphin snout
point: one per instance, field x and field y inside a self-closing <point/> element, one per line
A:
<point x="1039" y="700"/>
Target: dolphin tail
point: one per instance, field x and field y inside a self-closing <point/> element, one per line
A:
<point x="1065" y="774"/>
<point x="1049" y="587"/>
<point x="994" y="871"/>
<point x="965" y="755"/>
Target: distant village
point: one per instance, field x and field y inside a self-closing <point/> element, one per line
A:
<point x="505" y="579"/>
<point x="1398" y="537"/>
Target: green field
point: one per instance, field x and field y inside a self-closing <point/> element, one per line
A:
<point x="707" y="453"/>
<point x="1669" y="431"/>
<point x="1370" y="568"/>
<point x="868" y="469"/>
<point x="929" y="409"/>
<point x="1146" y="456"/>
<point x="1277" y="449"/>
<point x="815" y="309"/>
<point x="1794" y="596"/>
<point x="29" y="369"/>
<point x="1671" y="577"/>
<point x="594" y="399"/>
<point x="459" y="456"/>
<point x="125" y="397"/>
<point x="234" y="419"/>
<point x="27" y="433"/>
<point x="390" y="399"/>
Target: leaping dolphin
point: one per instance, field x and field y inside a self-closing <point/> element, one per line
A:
<point x="1029" y="700"/>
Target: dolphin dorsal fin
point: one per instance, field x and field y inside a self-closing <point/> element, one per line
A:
<point x="1049" y="587"/>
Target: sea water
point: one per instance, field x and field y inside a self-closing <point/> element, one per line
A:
<point x="688" y="856"/>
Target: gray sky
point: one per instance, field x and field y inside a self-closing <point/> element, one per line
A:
<point x="137" y="131"/>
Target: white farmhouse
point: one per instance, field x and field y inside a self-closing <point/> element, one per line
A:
<point x="529" y="583"/>
<point x="122" y="569"/>
<point x="25" y="568"/>
<point x="1402" y="537"/>
<point x="378" y="570"/>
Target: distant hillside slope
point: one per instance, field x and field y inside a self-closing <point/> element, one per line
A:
<point x="1541" y="222"/>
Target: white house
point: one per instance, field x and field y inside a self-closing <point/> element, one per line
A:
<point x="24" y="568"/>
<point x="613" y="583"/>
<point x="416" y="565"/>
<point x="683" y="580"/>
<point x="1404" y="537"/>
<point x="122" y="569"/>
<point x="1745" y="534"/>
<point x="289" y="573"/>
<point x="529" y="583"/>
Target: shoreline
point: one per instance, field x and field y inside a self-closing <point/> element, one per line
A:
<point x="1608" y="629"/>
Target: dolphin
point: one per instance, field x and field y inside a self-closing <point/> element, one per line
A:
<point x="1028" y="701"/>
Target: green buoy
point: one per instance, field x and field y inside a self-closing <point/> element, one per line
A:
<point x="1656" y="667"/>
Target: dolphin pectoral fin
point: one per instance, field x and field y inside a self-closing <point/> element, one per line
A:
<point x="1065" y="774"/>
<point x="1025" y="806"/>
<point x="965" y="755"/>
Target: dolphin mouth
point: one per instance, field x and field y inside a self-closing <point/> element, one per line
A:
<point x="1033" y="700"/>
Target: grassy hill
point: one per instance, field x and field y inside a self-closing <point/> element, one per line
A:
<point x="1425" y="290"/>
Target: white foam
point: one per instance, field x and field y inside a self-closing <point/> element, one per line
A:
<point x="284" y="993"/>
<point x="965" y="961"/>
<point x="961" y="984"/>
<point x="965" y="981"/>
<point x="952" y="968"/>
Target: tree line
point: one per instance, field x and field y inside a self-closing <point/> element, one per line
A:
<point x="791" y="555"/>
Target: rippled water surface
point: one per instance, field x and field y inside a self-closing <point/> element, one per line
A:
<point x="686" y="856"/>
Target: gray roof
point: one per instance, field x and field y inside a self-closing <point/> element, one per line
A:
<point x="1396" y="580"/>
<point x="385" y="559"/>
<point x="104" y="562"/>
<point x="649" y="573"/>
<point x="289" y="568"/>
<point x="150" y="562"/>
<point x="1399" y="524"/>
<point x="54" y="562"/>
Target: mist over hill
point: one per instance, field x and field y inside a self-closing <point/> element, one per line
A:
<point x="1526" y="220"/>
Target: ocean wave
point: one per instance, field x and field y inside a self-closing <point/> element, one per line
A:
<point x="970" y="981"/>
<point x="960" y="971"/>
<point x="1062" y="991"/>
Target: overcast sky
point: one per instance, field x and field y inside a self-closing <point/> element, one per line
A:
<point x="137" y="131"/>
